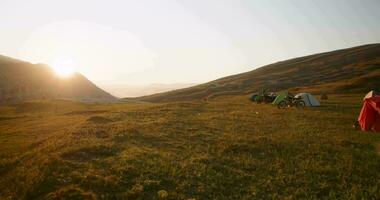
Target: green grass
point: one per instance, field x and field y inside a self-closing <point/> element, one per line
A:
<point x="225" y="148"/>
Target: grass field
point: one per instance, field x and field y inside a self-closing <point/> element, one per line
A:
<point x="225" y="148"/>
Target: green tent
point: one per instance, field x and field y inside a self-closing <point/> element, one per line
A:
<point x="259" y="98"/>
<point x="281" y="96"/>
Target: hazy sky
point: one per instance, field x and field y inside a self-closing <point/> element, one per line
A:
<point x="179" y="41"/>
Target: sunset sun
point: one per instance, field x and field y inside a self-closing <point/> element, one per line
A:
<point x="64" y="67"/>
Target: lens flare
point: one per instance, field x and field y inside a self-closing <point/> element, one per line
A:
<point x="64" y="67"/>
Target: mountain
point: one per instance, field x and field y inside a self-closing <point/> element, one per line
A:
<point x="350" y="70"/>
<point x="122" y="90"/>
<point x="21" y="80"/>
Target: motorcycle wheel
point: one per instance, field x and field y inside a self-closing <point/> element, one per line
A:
<point x="281" y="105"/>
<point x="300" y="103"/>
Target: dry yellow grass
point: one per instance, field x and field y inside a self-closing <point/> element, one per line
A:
<point x="225" y="148"/>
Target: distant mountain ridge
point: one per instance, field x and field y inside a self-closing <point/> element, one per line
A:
<point x="131" y="91"/>
<point x="20" y="80"/>
<point x="354" y="69"/>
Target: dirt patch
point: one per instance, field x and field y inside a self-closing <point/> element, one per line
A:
<point x="99" y="120"/>
<point x="89" y="154"/>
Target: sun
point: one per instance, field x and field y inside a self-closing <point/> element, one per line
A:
<point x="64" y="67"/>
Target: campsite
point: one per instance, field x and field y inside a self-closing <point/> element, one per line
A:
<point x="285" y="99"/>
<point x="245" y="150"/>
<point x="189" y="100"/>
<point x="305" y="142"/>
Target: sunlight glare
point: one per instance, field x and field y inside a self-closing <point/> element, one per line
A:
<point x="64" y="67"/>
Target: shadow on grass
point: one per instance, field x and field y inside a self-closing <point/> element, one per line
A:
<point x="89" y="154"/>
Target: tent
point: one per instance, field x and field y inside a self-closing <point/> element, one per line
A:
<point x="309" y="99"/>
<point x="369" y="118"/>
<point x="281" y="96"/>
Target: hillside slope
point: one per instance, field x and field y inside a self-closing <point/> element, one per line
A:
<point x="355" y="69"/>
<point x="21" y="80"/>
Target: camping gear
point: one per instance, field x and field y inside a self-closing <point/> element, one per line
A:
<point x="281" y="96"/>
<point x="253" y="97"/>
<point x="370" y="94"/>
<point x="369" y="118"/>
<point x="290" y="101"/>
<point x="309" y="99"/>
<point x="265" y="97"/>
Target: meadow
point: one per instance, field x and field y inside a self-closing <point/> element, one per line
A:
<point x="221" y="148"/>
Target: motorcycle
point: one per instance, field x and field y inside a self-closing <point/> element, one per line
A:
<point x="291" y="102"/>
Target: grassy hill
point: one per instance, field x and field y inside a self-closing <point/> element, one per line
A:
<point x="21" y="81"/>
<point x="225" y="148"/>
<point x="349" y="70"/>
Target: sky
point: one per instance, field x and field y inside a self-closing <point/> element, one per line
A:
<point x="143" y="42"/>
